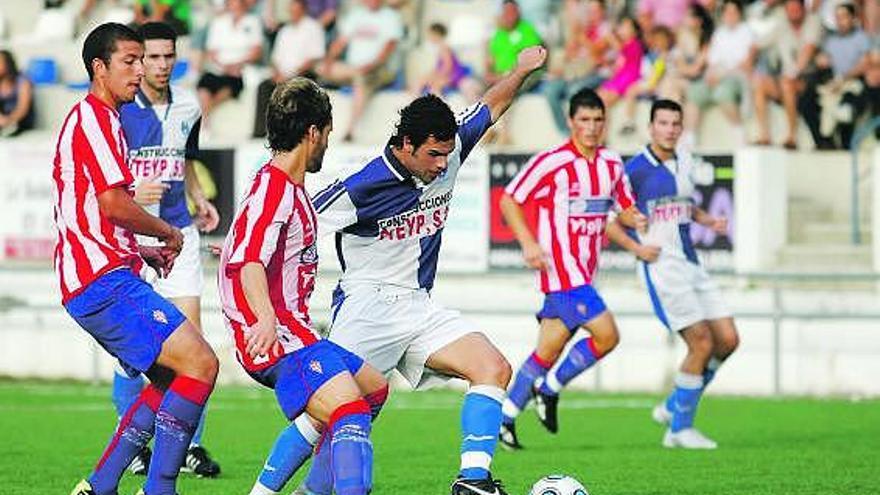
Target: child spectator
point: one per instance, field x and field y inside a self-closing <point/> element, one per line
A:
<point x="628" y="68"/>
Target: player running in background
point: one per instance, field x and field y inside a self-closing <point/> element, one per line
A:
<point x="162" y="129"/>
<point x="267" y="274"/>
<point x="574" y="187"/>
<point x="684" y="298"/>
<point x="97" y="261"/>
<point x="388" y="218"/>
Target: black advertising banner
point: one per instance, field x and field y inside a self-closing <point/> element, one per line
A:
<point x="713" y="175"/>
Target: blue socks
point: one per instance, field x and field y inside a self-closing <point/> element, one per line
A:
<point x="532" y="369"/>
<point x="176" y="421"/>
<point x="480" y="422"/>
<point x="126" y="391"/>
<point x="292" y="447"/>
<point x="135" y="429"/>
<point x="582" y="355"/>
<point x="708" y="375"/>
<point x="685" y="399"/>
<point x="351" y="452"/>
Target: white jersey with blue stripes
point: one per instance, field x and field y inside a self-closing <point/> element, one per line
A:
<point x="160" y="140"/>
<point x="388" y="225"/>
<point x="664" y="192"/>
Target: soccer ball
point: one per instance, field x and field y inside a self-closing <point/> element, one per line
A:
<point x="558" y="484"/>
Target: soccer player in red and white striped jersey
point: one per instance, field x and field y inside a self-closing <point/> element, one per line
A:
<point x="267" y="273"/>
<point x="575" y="186"/>
<point x="96" y="259"/>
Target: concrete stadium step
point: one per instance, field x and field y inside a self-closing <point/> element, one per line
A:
<point x="831" y="233"/>
<point x="825" y="257"/>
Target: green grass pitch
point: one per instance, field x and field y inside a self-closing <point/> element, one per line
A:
<point x="52" y="433"/>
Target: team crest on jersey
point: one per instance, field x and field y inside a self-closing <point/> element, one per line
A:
<point x="184" y="128"/>
<point x="316" y="367"/>
<point x="309" y="254"/>
<point x="159" y="316"/>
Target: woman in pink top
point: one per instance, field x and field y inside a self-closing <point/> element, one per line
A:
<point x="627" y="70"/>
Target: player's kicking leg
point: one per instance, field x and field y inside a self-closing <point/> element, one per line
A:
<point x="150" y="335"/>
<point x="603" y="338"/>
<point x="473" y="358"/>
<point x="306" y="435"/>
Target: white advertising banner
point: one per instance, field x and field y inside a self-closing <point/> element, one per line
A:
<point x="26" y="226"/>
<point x="465" y="245"/>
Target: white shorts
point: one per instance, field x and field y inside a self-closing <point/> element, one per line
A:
<point x="682" y="292"/>
<point x="186" y="278"/>
<point x="396" y="328"/>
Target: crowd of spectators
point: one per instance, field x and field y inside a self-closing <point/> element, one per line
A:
<point x="818" y="59"/>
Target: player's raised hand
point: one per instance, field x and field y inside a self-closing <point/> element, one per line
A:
<point x="531" y="58"/>
<point x="534" y="256"/>
<point x="260" y="338"/>
<point x="207" y="217"/>
<point x="150" y="190"/>
<point x="648" y="253"/>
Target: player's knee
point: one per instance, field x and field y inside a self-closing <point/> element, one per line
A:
<point x="206" y="365"/>
<point x="606" y="341"/>
<point x="727" y="344"/>
<point x="700" y="343"/>
<point x="496" y="371"/>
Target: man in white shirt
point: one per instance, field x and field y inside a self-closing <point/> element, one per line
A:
<point x="368" y="35"/>
<point x="299" y="46"/>
<point x="235" y="39"/>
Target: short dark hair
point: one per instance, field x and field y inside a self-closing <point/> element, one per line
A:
<point x="425" y="116"/>
<point x="9" y="62"/>
<point x="438" y="28"/>
<point x="585" y="98"/>
<point x="101" y="43"/>
<point x="850" y="7"/>
<point x="295" y="106"/>
<point x="157" y="31"/>
<point x="736" y="3"/>
<point x="664" y="104"/>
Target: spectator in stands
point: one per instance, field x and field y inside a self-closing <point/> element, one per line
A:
<point x="325" y="12"/>
<point x="688" y="59"/>
<point x="369" y="35"/>
<point x="448" y="74"/>
<point x="235" y="39"/>
<point x="175" y="13"/>
<point x="585" y="60"/>
<point x="669" y="13"/>
<point x="299" y="46"/>
<point x="830" y="102"/>
<point x="871" y="96"/>
<point x="655" y="71"/>
<point x="729" y="63"/>
<point x="794" y="43"/>
<point x="16" y="98"/>
<point x="544" y="15"/>
<point x="512" y="35"/>
<point x="628" y="68"/>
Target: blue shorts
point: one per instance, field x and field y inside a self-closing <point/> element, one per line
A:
<point x="574" y="307"/>
<point x="127" y="317"/>
<point x="299" y="374"/>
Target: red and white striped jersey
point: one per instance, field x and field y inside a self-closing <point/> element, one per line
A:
<point x="275" y="226"/>
<point x="90" y="158"/>
<point x="574" y="196"/>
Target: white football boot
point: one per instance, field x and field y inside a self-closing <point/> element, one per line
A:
<point x="689" y="438"/>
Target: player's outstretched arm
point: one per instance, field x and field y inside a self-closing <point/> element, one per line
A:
<point x="499" y="97"/>
<point x="117" y="205"/>
<point x="533" y="254"/>
<point x="633" y="218"/>
<point x="618" y="235"/>
<point x="261" y="336"/>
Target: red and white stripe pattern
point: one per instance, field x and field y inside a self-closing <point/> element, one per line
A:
<point x="276" y="226"/>
<point x="90" y="158"/>
<point x="573" y="196"/>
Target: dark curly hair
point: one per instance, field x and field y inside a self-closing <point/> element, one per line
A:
<point x="294" y="107"/>
<point x="426" y="116"/>
<point x="101" y="43"/>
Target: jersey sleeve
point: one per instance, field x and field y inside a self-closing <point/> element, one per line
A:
<point x="473" y="122"/>
<point x="192" y="141"/>
<point x="527" y="180"/>
<point x="259" y="225"/>
<point x="335" y="208"/>
<point x="102" y="151"/>
<point x="622" y="192"/>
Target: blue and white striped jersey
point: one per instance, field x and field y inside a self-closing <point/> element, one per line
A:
<point x="665" y="194"/>
<point x="388" y="226"/>
<point x="160" y="140"/>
